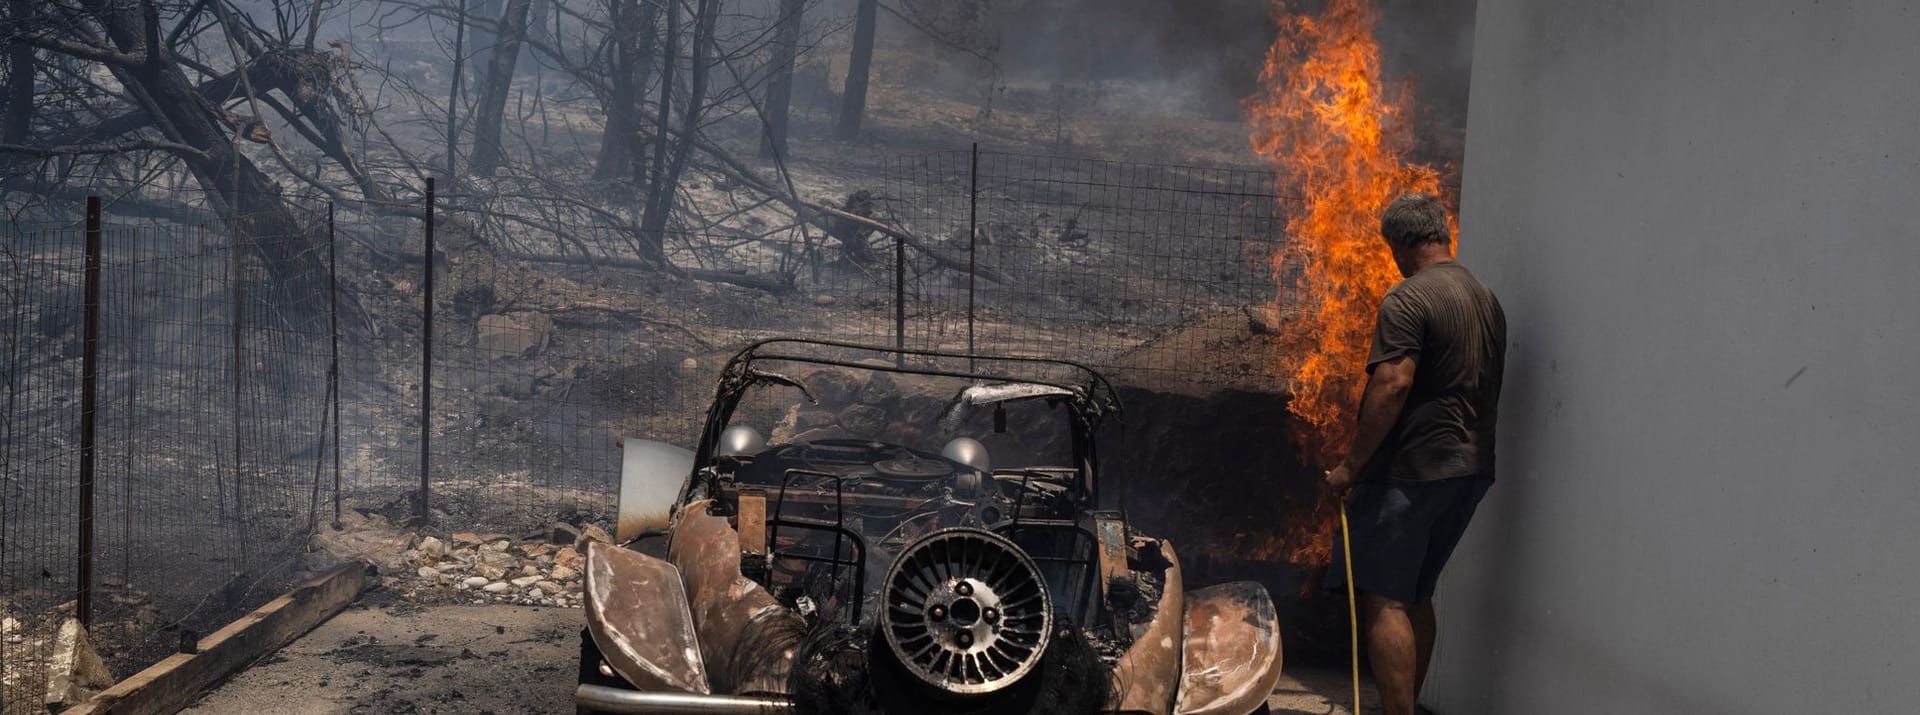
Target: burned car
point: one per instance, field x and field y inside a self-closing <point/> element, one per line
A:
<point x="864" y="529"/>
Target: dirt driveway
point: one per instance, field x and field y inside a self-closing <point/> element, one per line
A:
<point x="395" y="657"/>
<point x="401" y="658"/>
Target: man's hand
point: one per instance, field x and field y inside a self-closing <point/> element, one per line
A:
<point x="1340" y="480"/>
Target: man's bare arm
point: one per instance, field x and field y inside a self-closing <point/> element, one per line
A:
<point x="1380" y="406"/>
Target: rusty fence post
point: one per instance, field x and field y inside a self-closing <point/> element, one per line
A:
<point x="426" y="359"/>
<point x="89" y="379"/>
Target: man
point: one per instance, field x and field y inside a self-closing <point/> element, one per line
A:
<point x="1422" y="451"/>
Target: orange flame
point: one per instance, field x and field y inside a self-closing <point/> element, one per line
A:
<point x="1339" y="138"/>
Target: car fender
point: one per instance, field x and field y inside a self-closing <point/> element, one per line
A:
<point x="637" y="615"/>
<point x="1231" y="658"/>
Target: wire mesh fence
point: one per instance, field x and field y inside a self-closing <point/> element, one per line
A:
<point x="255" y="385"/>
<point x="1091" y="259"/>
<point x="39" y="460"/>
<point x="202" y="381"/>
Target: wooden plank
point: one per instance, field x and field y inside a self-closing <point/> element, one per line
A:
<point x="179" y="680"/>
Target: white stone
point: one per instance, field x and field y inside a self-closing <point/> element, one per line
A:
<point x="74" y="671"/>
<point x="496" y="587"/>
<point x="562" y="573"/>
<point x="474" y="582"/>
<point x="429" y="573"/>
<point x="549" y="587"/>
<point x="432" y="547"/>
<point x="525" y="581"/>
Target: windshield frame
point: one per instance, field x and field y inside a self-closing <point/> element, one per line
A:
<point x="1090" y="402"/>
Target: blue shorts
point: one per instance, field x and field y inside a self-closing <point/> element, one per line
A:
<point x="1403" y="533"/>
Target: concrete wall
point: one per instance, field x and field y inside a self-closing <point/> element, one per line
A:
<point x="1704" y="221"/>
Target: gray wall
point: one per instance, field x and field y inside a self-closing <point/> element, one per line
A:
<point x="1704" y="221"/>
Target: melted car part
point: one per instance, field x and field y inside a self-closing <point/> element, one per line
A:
<point x="966" y="612"/>
<point x="746" y="637"/>
<point x="639" y="619"/>
<point x="1149" y="672"/>
<point x="994" y="394"/>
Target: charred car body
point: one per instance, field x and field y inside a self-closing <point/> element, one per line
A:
<point x="870" y="530"/>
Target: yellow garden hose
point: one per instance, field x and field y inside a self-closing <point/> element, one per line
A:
<point x="1353" y="611"/>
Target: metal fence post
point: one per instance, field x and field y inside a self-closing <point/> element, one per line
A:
<point x="333" y="367"/>
<point x="236" y="288"/>
<point x="89" y="377"/>
<point x="426" y="359"/>
<point x="973" y="240"/>
<point x="899" y="300"/>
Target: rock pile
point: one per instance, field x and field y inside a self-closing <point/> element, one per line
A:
<point x="494" y="568"/>
<point x="542" y="568"/>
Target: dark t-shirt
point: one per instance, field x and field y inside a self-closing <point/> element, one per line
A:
<point x="1454" y="329"/>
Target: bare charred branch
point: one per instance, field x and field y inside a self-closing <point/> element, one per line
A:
<point x="818" y="214"/>
<point x="113" y="148"/>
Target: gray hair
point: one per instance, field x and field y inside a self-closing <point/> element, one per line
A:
<point x="1414" y="220"/>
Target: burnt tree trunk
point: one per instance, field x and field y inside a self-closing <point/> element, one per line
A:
<point x="453" y="95"/>
<point x="537" y="21"/>
<point x="657" y="193"/>
<point x="622" y="151"/>
<point x="653" y="224"/>
<point x="853" y="102"/>
<point x="237" y="189"/>
<point x="491" y="106"/>
<point x="786" y="44"/>
<point x="614" y="159"/>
